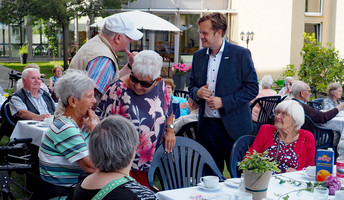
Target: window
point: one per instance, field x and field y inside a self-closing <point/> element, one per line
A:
<point x="189" y="37"/>
<point x="314" y="7"/>
<point x="315" y="28"/>
<point x="4" y="46"/>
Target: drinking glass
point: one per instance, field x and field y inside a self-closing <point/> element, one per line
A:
<point x="320" y="193"/>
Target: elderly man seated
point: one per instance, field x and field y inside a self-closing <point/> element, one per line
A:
<point x="192" y="117"/>
<point x="31" y="102"/>
<point x="301" y="93"/>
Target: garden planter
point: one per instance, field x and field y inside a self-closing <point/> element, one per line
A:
<point x="23" y="58"/>
<point x="257" y="183"/>
<point x="179" y="81"/>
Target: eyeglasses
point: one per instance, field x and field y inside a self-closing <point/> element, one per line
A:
<point x="283" y="114"/>
<point x="144" y="84"/>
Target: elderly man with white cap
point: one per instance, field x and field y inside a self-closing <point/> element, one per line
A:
<point x="98" y="55"/>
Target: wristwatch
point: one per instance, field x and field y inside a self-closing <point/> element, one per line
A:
<point x="170" y="126"/>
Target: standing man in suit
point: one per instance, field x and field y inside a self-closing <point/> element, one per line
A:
<point x="223" y="81"/>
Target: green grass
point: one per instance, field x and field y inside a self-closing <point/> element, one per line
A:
<point x="46" y="67"/>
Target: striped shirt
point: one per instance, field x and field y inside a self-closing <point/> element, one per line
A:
<point x="62" y="145"/>
<point x="101" y="70"/>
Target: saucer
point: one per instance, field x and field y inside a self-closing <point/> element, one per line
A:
<point x="233" y="182"/>
<point x="201" y="185"/>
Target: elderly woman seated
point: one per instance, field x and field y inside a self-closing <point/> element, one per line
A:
<point x="334" y="93"/>
<point x="288" y="81"/>
<point x="266" y="90"/>
<point x="291" y="147"/>
<point x="183" y="103"/>
<point x="63" y="154"/>
<point x="113" y="158"/>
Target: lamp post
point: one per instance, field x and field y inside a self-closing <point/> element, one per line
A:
<point x="249" y="36"/>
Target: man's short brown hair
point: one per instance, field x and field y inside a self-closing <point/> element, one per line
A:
<point x="218" y="21"/>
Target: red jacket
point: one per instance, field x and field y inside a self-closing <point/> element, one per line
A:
<point x="304" y="147"/>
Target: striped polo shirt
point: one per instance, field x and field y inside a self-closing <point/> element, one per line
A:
<point x="101" y="70"/>
<point x="62" y="146"/>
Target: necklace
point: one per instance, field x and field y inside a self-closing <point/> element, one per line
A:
<point x="121" y="173"/>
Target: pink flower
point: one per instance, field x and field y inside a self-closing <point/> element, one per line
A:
<point x="146" y="153"/>
<point x="333" y="184"/>
<point x="155" y="106"/>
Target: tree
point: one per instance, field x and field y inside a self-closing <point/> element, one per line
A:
<point x="321" y="65"/>
<point x="59" y="12"/>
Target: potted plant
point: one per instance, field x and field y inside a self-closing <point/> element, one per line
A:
<point x="258" y="169"/>
<point x="179" y="76"/>
<point x="23" y="51"/>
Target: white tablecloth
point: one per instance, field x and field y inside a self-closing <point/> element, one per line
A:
<point x="274" y="189"/>
<point x="336" y="124"/>
<point x="30" y="129"/>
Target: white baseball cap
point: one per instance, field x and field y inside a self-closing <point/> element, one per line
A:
<point x="120" y="24"/>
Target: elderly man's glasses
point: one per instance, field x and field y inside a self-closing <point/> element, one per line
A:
<point x="144" y="84"/>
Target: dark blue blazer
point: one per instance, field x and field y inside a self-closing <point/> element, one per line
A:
<point x="236" y="84"/>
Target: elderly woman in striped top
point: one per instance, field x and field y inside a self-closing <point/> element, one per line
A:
<point x="63" y="154"/>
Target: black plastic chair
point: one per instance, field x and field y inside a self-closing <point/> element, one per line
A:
<point x="7" y="123"/>
<point x="189" y="130"/>
<point x="267" y="106"/>
<point x="316" y="103"/>
<point x="7" y="115"/>
<point x="181" y="93"/>
<point x="323" y="136"/>
<point x="183" y="167"/>
<point x="239" y="150"/>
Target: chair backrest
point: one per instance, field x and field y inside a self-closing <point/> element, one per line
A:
<point x="189" y="130"/>
<point x="316" y="103"/>
<point x="267" y="106"/>
<point x="180" y="93"/>
<point x="323" y="136"/>
<point x="183" y="167"/>
<point x="239" y="150"/>
<point x="8" y="115"/>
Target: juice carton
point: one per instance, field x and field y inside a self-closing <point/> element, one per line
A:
<point x="324" y="164"/>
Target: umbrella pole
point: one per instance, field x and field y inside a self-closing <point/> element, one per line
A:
<point x="169" y="56"/>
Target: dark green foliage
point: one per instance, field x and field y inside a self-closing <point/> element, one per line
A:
<point x="321" y="65"/>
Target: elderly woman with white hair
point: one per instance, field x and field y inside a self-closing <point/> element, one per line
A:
<point x="266" y="90"/>
<point x="63" y="154"/>
<point x="113" y="159"/>
<point x="288" y="81"/>
<point x="141" y="96"/>
<point x="291" y="147"/>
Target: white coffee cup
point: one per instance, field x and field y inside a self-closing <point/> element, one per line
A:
<point x="310" y="171"/>
<point x="243" y="196"/>
<point x="339" y="195"/>
<point x="210" y="181"/>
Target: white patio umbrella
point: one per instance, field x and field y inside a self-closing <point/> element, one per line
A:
<point x="145" y="21"/>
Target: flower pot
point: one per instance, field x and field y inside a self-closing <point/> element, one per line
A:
<point x="187" y="82"/>
<point x="179" y="81"/>
<point x="23" y="58"/>
<point x="257" y="183"/>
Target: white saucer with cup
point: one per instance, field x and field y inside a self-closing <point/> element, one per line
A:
<point x="210" y="182"/>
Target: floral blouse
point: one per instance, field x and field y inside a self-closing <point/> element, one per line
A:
<point x="286" y="156"/>
<point x="148" y="112"/>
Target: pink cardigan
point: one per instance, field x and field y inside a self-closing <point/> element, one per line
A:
<point x="304" y="147"/>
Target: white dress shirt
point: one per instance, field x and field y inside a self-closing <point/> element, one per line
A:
<point x="213" y="69"/>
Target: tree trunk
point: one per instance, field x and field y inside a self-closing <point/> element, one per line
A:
<point x="65" y="46"/>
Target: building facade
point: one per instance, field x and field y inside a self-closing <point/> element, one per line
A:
<point x="278" y="28"/>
